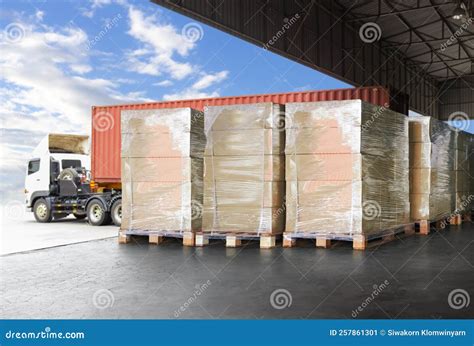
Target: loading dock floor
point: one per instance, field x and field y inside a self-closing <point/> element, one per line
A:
<point x="102" y="279"/>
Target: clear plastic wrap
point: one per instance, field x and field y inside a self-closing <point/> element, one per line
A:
<point x="244" y="178"/>
<point x="346" y="169"/>
<point x="470" y="158"/>
<point x="432" y="168"/>
<point x="462" y="171"/>
<point x="162" y="169"/>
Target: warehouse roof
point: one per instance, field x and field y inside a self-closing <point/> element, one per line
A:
<point x="419" y="49"/>
<point x="424" y="30"/>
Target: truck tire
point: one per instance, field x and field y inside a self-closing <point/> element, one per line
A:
<point x="68" y="174"/>
<point x="79" y="216"/>
<point x="96" y="214"/>
<point x="116" y="212"/>
<point x="42" y="211"/>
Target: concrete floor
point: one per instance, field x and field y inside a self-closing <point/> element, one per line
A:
<point x="102" y="279"/>
<point x="19" y="230"/>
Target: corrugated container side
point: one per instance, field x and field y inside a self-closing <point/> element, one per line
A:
<point x="106" y="119"/>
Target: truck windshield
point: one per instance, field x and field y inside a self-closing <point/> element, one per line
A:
<point x="70" y="163"/>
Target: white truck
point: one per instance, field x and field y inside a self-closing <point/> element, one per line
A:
<point x="58" y="183"/>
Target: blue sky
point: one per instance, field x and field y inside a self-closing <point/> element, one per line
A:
<point x="59" y="58"/>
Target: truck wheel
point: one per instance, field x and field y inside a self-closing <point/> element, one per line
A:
<point x="68" y="174"/>
<point x="79" y="216"/>
<point x="41" y="211"/>
<point x="97" y="214"/>
<point x="116" y="212"/>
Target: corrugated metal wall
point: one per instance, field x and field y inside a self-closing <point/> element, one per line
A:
<point x="106" y="119"/>
<point x="320" y="39"/>
<point x="456" y="96"/>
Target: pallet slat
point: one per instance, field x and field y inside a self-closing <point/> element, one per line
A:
<point x="359" y="242"/>
<point x="157" y="237"/>
<point x="267" y="241"/>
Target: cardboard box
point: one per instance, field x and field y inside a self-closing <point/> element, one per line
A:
<point x="229" y="194"/>
<point x="165" y="169"/>
<point x="244" y="169"/>
<point x="432" y="169"/>
<point x="245" y="142"/>
<point x="346" y="169"/>
<point x="240" y="219"/>
<point x="162" y="169"/>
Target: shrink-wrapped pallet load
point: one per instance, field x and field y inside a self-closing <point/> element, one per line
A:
<point x="346" y="171"/>
<point x="244" y="180"/>
<point x="470" y="159"/>
<point x="162" y="168"/>
<point x="462" y="175"/>
<point x="432" y="170"/>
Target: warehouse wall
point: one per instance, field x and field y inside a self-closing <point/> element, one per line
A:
<point x="456" y="96"/>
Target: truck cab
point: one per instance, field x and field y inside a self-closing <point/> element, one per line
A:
<point x="58" y="183"/>
<point x="53" y="154"/>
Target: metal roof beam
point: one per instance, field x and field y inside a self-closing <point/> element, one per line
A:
<point x="404" y="21"/>
<point x="397" y="44"/>
<point x="412" y="28"/>
<point x="452" y="31"/>
<point x="363" y="17"/>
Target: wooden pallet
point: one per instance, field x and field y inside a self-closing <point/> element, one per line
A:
<point x="267" y="241"/>
<point x="359" y="242"/>
<point x="455" y="220"/>
<point x="157" y="237"/>
<point x="424" y="226"/>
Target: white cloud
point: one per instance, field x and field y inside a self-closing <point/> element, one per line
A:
<point x="209" y="79"/>
<point x="81" y="68"/>
<point x="42" y="91"/>
<point x="163" y="83"/>
<point x="39" y="15"/>
<point x="36" y="68"/>
<point x="95" y="4"/>
<point x="162" y="43"/>
<point x="187" y="94"/>
<point x="196" y="90"/>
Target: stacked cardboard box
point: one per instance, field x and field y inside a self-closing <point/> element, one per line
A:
<point x="346" y="169"/>
<point x="244" y="169"/>
<point x="461" y="171"/>
<point x="470" y="159"/>
<point x="432" y="169"/>
<point x="162" y="168"/>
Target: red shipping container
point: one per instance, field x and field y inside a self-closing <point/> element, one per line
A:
<point x="106" y="143"/>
